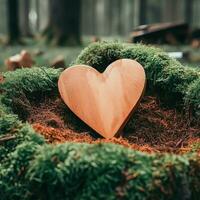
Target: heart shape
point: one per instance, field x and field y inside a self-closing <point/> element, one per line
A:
<point x="104" y="101"/>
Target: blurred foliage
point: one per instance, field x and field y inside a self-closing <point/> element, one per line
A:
<point x="191" y="59"/>
<point x="42" y="54"/>
<point x="31" y="169"/>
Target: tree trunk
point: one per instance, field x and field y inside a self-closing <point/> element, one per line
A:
<point x="38" y="14"/>
<point x="188" y="11"/>
<point x="170" y="13"/>
<point x="13" y="22"/>
<point x="24" y="18"/>
<point x="64" y="22"/>
<point x="143" y="11"/>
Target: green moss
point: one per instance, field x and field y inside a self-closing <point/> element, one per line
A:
<point x="25" y="86"/>
<point x="31" y="83"/>
<point x="13" y="182"/>
<point x="31" y="169"/>
<point x="105" y="53"/>
<point x="10" y="125"/>
<point x="192" y="98"/>
<point x="101" y="171"/>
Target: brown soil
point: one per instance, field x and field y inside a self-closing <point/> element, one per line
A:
<point x="151" y="129"/>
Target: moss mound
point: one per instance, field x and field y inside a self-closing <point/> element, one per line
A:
<point x="32" y="169"/>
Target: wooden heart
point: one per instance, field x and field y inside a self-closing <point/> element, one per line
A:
<point x="104" y="101"/>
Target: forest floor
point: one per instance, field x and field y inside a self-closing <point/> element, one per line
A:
<point x="162" y="130"/>
<point x="44" y="54"/>
<point x="153" y="128"/>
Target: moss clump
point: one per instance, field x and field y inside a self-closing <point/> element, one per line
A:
<point x="31" y="169"/>
<point x="30" y="81"/>
<point x="103" y="171"/>
<point x="25" y="86"/>
<point x="13" y="171"/>
<point x="10" y="125"/>
<point x="192" y="98"/>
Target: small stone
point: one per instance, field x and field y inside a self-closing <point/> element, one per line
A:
<point x="21" y="60"/>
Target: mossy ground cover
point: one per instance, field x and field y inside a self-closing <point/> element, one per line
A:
<point x="32" y="169"/>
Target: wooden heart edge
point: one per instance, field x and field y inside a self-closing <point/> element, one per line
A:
<point x="120" y="130"/>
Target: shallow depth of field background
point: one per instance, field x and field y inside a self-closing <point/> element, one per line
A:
<point x="97" y="20"/>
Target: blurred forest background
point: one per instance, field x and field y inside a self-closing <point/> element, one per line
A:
<point x="74" y="23"/>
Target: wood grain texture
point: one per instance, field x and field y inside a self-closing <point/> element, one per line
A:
<point x="105" y="100"/>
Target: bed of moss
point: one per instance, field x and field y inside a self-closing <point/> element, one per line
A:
<point x="32" y="169"/>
